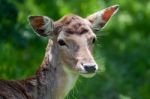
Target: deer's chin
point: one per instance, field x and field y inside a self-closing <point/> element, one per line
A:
<point x="88" y="75"/>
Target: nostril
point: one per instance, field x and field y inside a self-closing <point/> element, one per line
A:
<point x="90" y="68"/>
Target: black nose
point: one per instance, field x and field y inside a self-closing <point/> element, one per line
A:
<point x="90" y="68"/>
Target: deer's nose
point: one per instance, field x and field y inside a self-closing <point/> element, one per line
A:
<point x="90" y="68"/>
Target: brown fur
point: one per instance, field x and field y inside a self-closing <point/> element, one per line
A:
<point x="72" y="24"/>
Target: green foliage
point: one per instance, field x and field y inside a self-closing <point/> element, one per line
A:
<point x="122" y="48"/>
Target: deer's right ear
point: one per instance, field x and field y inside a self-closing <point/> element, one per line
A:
<point x="42" y="25"/>
<point x="100" y="18"/>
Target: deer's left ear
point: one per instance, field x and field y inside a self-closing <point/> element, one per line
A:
<point x="100" y="18"/>
<point x="42" y="25"/>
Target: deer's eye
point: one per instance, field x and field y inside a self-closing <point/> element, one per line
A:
<point x="93" y="41"/>
<point x="61" y="43"/>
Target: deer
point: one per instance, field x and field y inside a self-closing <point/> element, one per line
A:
<point x="68" y="55"/>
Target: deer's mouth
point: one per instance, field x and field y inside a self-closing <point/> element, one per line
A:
<point x="87" y="74"/>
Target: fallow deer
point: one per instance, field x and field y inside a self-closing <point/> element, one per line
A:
<point x="68" y="55"/>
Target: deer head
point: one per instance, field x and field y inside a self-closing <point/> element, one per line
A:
<point x="74" y="37"/>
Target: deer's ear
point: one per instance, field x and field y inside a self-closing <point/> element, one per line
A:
<point x="100" y="18"/>
<point x="42" y="25"/>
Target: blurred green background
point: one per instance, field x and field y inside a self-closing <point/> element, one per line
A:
<point x="122" y="49"/>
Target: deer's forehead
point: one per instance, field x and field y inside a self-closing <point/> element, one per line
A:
<point x="70" y="19"/>
<point x="74" y="23"/>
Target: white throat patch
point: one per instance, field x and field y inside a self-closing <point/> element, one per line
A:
<point x="71" y="77"/>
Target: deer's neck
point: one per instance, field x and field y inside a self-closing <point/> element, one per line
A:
<point x="54" y="81"/>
